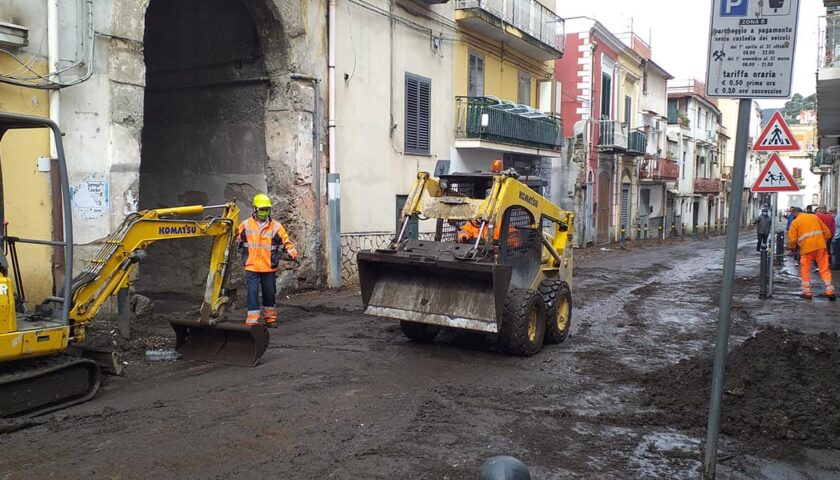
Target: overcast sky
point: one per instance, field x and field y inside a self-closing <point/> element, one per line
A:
<point x="678" y="31"/>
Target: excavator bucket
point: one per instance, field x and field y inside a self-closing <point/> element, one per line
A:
<point x="224" y="342"/>
<point x="433" y="283"/>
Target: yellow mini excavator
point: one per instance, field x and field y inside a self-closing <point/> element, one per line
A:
<point x="36" y="373"/>
<point x="500" y="263"/>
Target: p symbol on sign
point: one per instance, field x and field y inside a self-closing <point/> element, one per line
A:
<point x="734" y="8"/>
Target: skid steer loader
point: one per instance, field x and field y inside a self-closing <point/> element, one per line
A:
<point x="500" y="263"/>
<point x="36" y="374"/>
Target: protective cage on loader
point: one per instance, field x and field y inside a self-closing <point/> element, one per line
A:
<point x="39" y="372"/>
<point x="500" y="263"/>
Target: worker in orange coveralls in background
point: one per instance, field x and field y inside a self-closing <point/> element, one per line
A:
<point x="810" y="234"/>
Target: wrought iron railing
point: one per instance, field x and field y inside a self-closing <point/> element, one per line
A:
<point x="829" y="41"/>
<point x="707" y="185"/>
<point x="637" y="143"/>
<point x="659" y="169"/>
<point x="486" y="118"/>
<point x="529" y="16"/>
<point x="612" y="135"/>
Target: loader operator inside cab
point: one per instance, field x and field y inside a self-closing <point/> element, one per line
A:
<point x="263" y="241"/>
<point x="468" y="233"/>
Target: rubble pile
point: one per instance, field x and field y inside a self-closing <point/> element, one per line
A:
<point x="779" y="384"/>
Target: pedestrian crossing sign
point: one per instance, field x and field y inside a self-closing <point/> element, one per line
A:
<point x="776" y="137"/>
<point x="775" y="178"/>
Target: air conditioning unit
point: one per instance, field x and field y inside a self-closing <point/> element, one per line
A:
<point x="13" y="36"/>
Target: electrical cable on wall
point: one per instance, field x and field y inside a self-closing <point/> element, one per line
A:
<point x="52" y="80"/>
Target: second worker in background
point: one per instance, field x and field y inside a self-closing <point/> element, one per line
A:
<point x="263" y="240"/>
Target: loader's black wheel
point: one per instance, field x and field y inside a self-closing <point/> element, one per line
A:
<point x="558" y="303"/>
<point x="523" y="323"/>
<point x="419" y="332"/>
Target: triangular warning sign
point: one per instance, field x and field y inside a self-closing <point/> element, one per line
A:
<point x="776" y="137"/>
<point x="775" y="178"/>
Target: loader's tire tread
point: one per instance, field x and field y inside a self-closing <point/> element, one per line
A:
<point x="551" y="290"/>
<point x="513" y="335"/>
<point x="419" y="332"/>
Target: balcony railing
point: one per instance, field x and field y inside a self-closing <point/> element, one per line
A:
<point x="707" y="185"/>
<point x="529" y="16"/>
<point x="485" y="118"/>
<point x="829" y="41"/>
<point x="659" y="169"/>
<point x="612" y="136"/>
<point x="637" y="143"/>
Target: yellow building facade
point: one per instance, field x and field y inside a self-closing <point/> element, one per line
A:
<point x="502" y="70"/>
<point x="26" y="190"/>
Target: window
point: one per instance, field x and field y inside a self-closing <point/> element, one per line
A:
<point x="418" y="96"/>
<point x="628" y="107"/>
<point x="475" y="86"/>
<point x="682" y="167"/>
<point x="644" y="79"/>
<point x="606" y="95"/>
<point x="524" y="89"/>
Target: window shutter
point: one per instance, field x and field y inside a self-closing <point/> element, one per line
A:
<point x="411" y="87"/>
<point x="418" y="96"/>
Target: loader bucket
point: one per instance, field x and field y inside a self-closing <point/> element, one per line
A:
<point x="229" y="343"/>
<point x="429" y="284"/>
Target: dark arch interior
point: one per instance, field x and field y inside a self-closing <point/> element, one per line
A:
<point x="203" y="139"/>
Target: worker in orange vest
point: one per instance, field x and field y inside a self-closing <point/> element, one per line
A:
<point x="263" y="240"/>
<point x="468" y="232"/>
<point x="810" y="234"/>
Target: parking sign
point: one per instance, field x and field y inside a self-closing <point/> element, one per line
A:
<point x="734" y="8"/>
<point x="751" y="48"/>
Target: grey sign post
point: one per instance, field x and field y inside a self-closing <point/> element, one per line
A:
<point x="751" y="47"/>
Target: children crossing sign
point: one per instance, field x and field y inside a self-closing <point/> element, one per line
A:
<point x="776" y="137"/>
<point x="775" y="178"/>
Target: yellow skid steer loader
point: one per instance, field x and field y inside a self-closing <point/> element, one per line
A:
<point x="500" y="263"/>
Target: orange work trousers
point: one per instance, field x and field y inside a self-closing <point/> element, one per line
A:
<point x="805" y="262"/>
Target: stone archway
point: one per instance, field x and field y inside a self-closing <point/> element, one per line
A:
<point x="223" y="120"/>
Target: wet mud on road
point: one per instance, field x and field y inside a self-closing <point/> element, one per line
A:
<point x="341" y="395"/>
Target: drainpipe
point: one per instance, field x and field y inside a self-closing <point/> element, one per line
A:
<point x="59" y="268"/>
<point x="52" y="60"/>
<point x="316" y="168"/>
<point x="333" y="179"/>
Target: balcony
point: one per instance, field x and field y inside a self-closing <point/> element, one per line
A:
<point x="612" y="137"/>
<point x="485" y="118"/>
<point x="637" y="143"/>
<point x="659" y="170"/>
<point x="524" y="25"/>
<point x="707" y="136"/>
<point x="828" y="76"/>
<point x="707" y="186"/>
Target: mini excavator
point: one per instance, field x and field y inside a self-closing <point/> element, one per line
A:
<point x="37" y="374"/>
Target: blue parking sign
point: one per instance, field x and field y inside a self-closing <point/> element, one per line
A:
<point x="734" y="8"/>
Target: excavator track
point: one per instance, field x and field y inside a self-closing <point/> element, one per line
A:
<point x="36" y="387"/>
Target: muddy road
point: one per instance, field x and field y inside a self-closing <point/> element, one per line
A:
<point x="343" y="396"/>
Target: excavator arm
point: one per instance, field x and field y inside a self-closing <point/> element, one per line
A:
<point x="205" y="338"/>
<point x="110" y="271"/>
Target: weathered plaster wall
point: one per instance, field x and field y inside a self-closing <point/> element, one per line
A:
<point x="104" y="117"/>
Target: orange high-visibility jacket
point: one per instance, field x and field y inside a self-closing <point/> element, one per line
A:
<point x="469" y="232"/>
<point x="262" y="246"/>
<point x="809" y="233"/>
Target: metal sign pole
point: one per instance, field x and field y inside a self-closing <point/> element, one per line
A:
<point x="738" y="174"/>
<point x="771" y="241"/>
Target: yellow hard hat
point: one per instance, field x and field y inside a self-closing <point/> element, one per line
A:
<point x="261" y="200"/>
